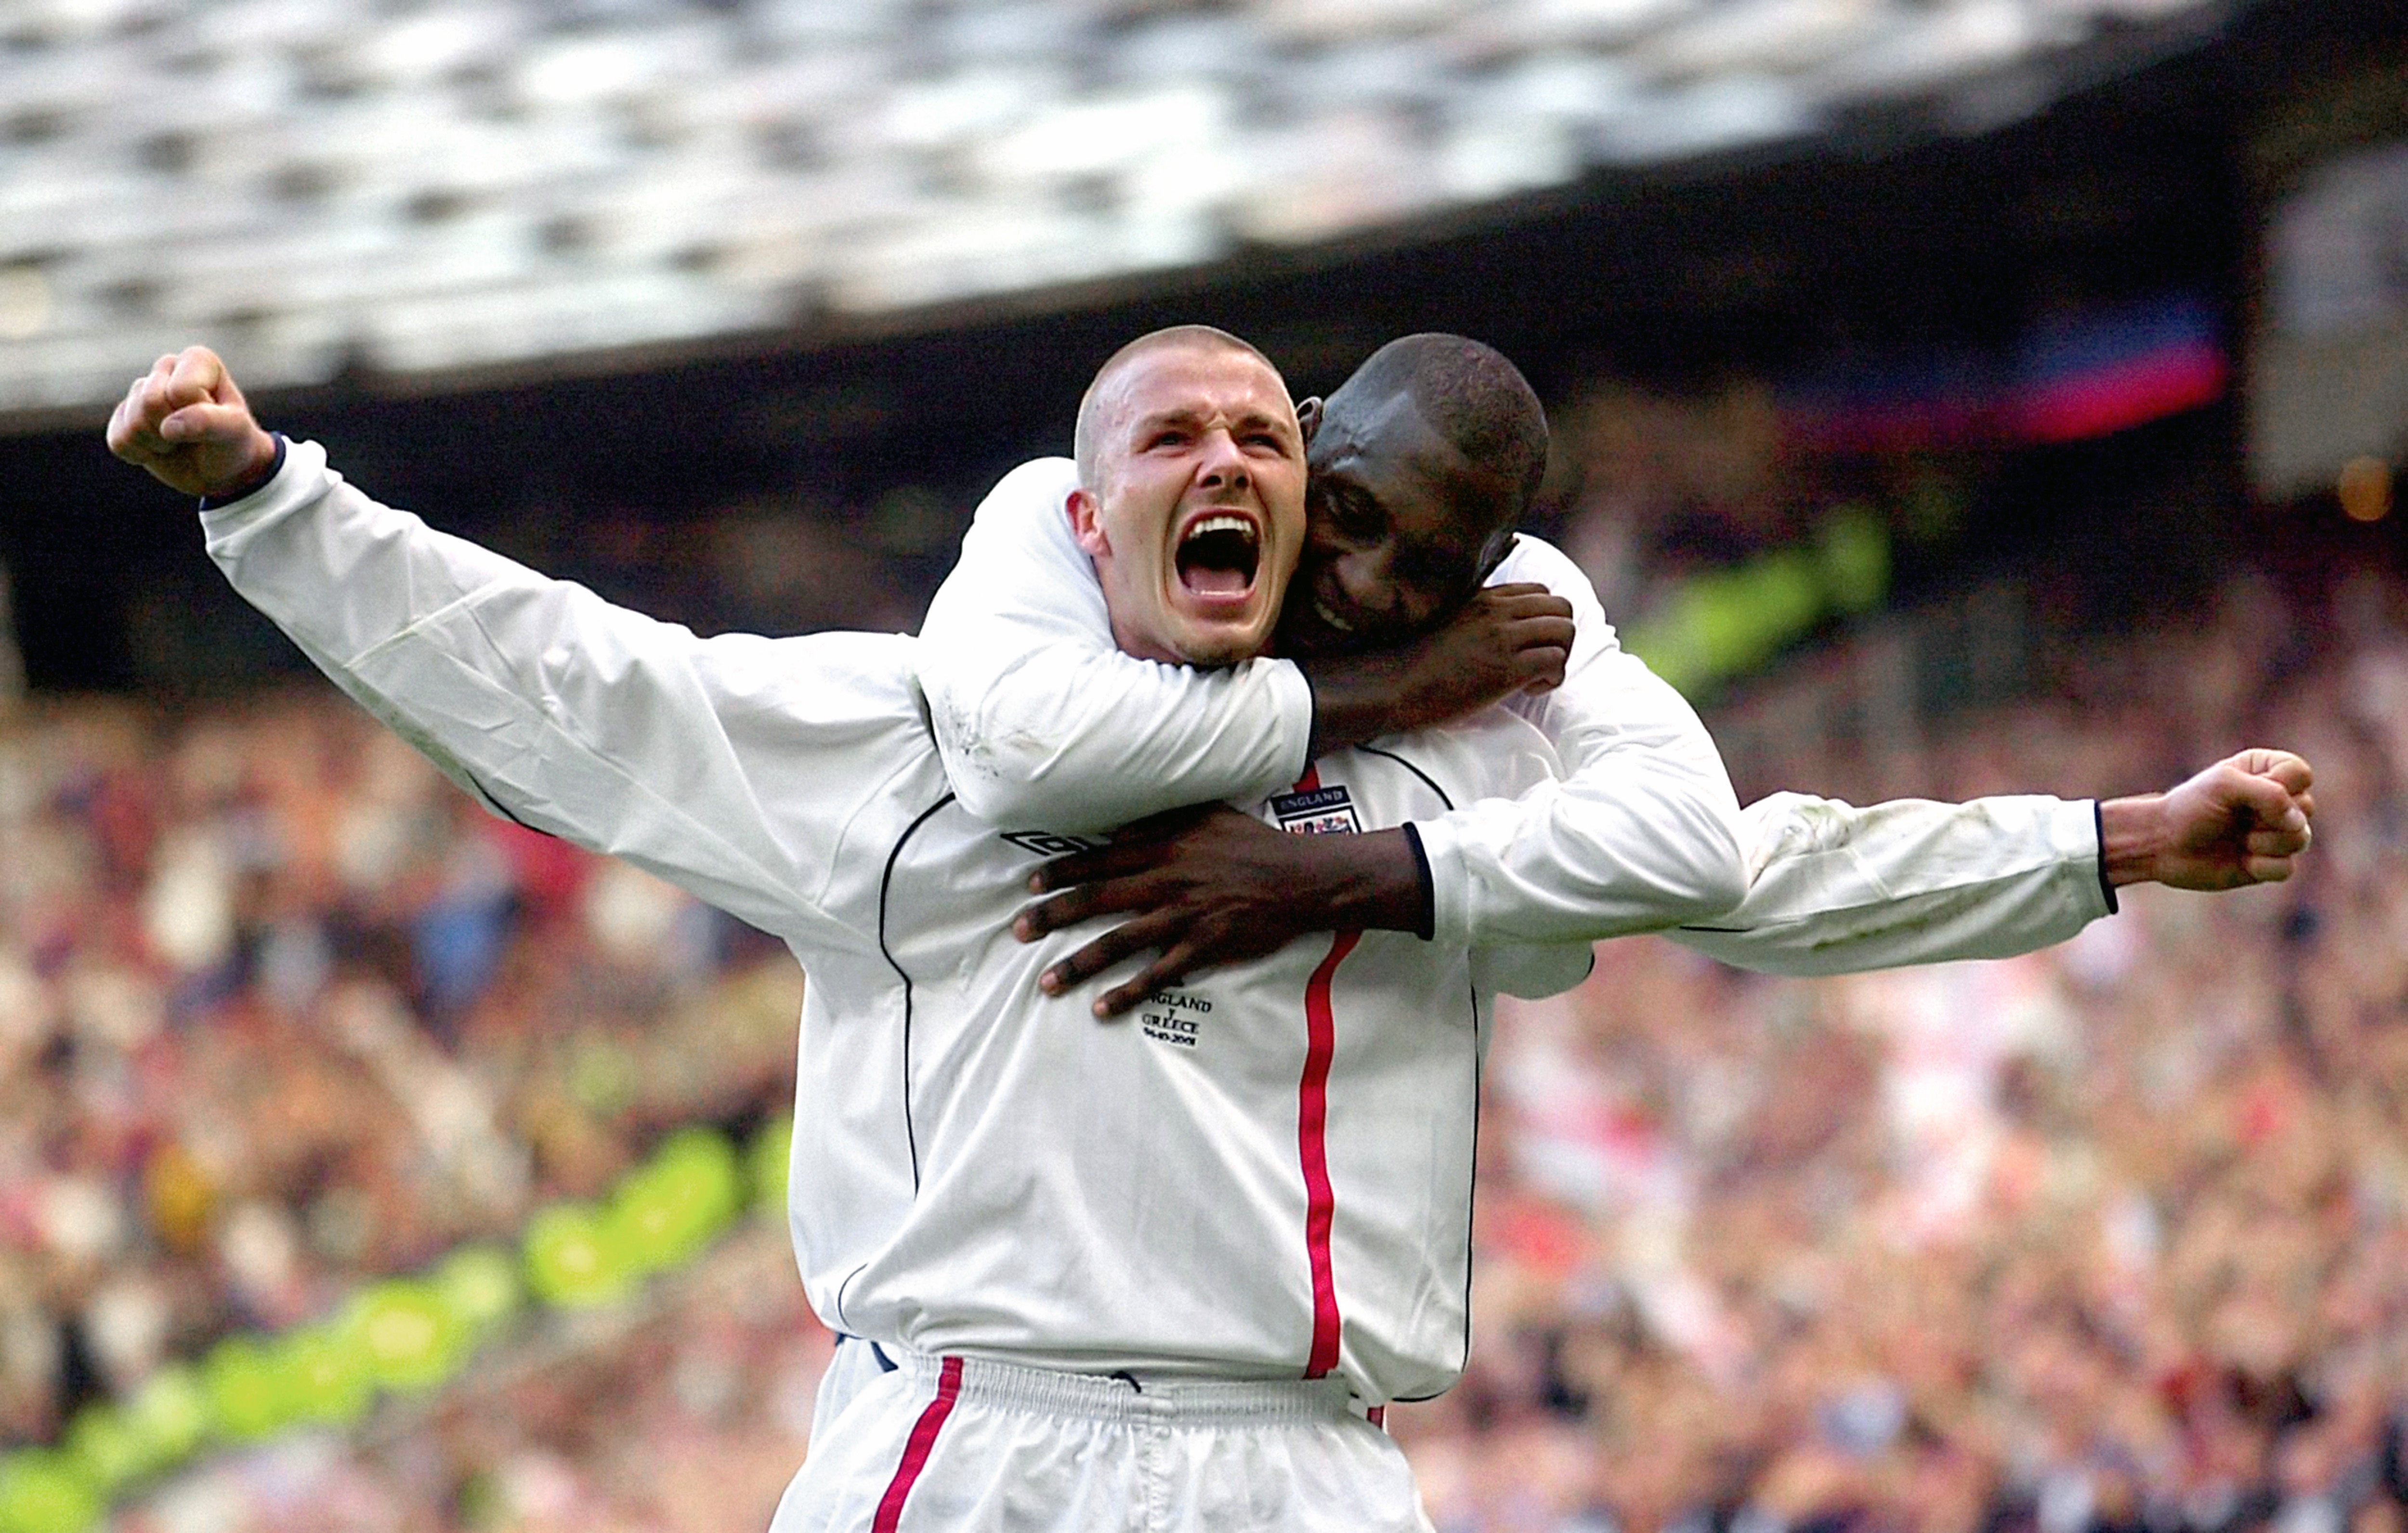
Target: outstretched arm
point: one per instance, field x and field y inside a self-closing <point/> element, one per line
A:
<point x="1834" y="889"/>
<point x="1837" y="889"/>
<point x="708" y="762"/>
<point x="1044" y="722"/>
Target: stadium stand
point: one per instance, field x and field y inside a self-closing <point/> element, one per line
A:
<point x="426" y="187"/>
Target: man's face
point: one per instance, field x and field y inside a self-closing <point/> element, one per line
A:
<point x="1401" y="528"/>
<point x="1198" y="510"/>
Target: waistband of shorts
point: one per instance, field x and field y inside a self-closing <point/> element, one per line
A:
<point x="1153" y="1397"/>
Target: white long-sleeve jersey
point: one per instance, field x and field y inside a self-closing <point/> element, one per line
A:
<point x="1041" y="721"/>
<point x="1265" y="1173"/>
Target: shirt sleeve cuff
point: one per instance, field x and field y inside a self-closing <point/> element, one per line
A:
<point x="2099" y="853"/>
<point x="300" y="484"/>
<point x="1440" y="846"/>
<point x="210" y="503"/>
<point x="1422" y="871"/>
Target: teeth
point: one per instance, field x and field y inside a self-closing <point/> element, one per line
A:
<point x="1224" y="523"/>
<point x="1321" y="609"/>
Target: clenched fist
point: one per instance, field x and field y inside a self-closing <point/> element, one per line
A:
<point x="2241" y="822"/>
<point x="187" y="423"/>
<point x="1508" y="639"/>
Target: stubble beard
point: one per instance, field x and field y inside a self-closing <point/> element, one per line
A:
<point x="1217" y="651"/>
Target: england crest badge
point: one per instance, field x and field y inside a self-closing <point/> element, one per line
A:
<point x="1315" y="811"/>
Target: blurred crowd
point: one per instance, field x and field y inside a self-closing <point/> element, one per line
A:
<point x="2114" y="1237"/>
<point x="2107" y="1238"/>
<point x="279" y="1010"/>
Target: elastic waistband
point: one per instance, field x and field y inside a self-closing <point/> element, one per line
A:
<point x="1122" y="1397"/>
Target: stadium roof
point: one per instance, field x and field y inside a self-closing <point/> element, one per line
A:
<point x="423" y="189"/>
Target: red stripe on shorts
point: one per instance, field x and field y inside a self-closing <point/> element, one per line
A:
<point x="916" y="1449"/>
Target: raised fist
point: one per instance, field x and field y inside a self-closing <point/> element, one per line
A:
<point x="187" y="423"/>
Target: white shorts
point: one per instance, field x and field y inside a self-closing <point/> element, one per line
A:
<point x="960" y="1443"/>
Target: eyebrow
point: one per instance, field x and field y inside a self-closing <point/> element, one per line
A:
<point x="1186" y="416"/>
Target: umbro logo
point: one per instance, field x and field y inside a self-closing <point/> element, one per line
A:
<point x="1045" y="843"/>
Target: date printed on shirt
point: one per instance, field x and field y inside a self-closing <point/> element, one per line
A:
<point x="1174" y="1017"/>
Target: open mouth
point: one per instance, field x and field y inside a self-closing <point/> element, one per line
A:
<point x="1219" y="556"/>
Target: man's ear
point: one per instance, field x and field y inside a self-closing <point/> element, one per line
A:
<point x="1308" y="417"/>
<point x="1492" y="554"/>
<point x="1086" y="522"/>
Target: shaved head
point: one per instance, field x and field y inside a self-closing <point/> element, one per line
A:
<point x="1475" y="399"/>
<point x="1191" y="494"/>
<point x="1103" y="396"/>
<point x="1423" y="462"/>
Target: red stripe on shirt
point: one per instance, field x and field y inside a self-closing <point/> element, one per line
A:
<point x="1312" y="1138"/>
<point x="916" y="1449"/>
<point x="1312" y="1149"/>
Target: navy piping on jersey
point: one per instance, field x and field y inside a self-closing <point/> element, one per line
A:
<point x="1428" y="927"/>
<point x="486" y="797"/>
<point x="1470" y="1192"/>
<point x="1426" y="783"/>
<point x="841" y="1287"/>
<point x="877" y="1352"/>
<point x="886" y="881"/>
<point x="2098" y="827"/>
